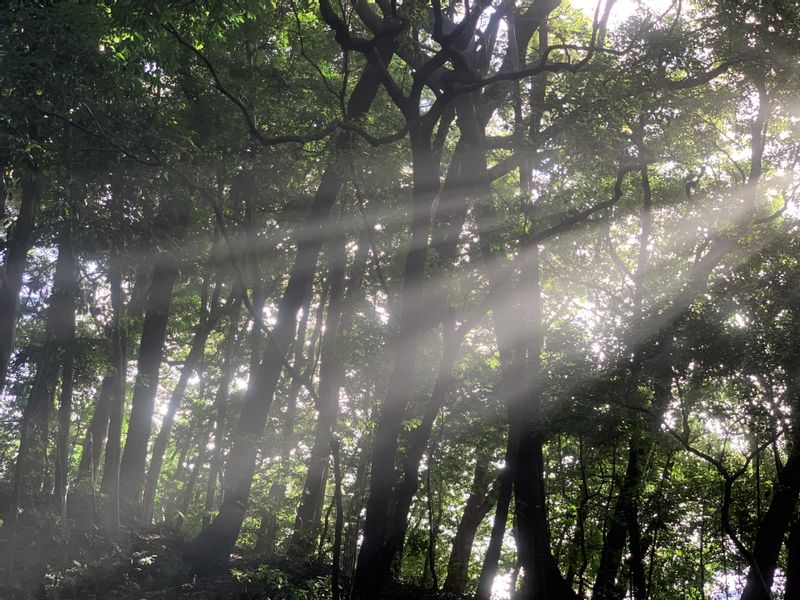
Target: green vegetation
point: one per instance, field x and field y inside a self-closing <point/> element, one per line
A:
<point x="493" y="299"/>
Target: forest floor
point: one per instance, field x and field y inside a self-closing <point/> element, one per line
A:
<point x="85" y="564"/>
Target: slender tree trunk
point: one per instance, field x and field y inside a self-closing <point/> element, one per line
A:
<point x="95" y="439"/>
<point x="63" y="445"/>
<point x="418" y="443"/>
<point x="354" y="513"/>
<point x="220" y="410"/>
<point x="19" y="242"/>
<point x="188" y="491"/>
<point x="479" y="503"/>
<point x="504" y="494"/>
<point x="31" y="468"/>
<point x="270" y="523"/>
<point x="70" y="298"/>
<point x="151" y="350"/>
<point x="119" y="364"/>
<point x="313" y="495"/>
<point x="190" y="365"/>
<point x="339" y="524"/>
<point x="390" y="522"/>
<point x="624" y="518"/>
<point x="447" y="225"/>
<point x="636" y="560"/>
<point x="214" y="544"/>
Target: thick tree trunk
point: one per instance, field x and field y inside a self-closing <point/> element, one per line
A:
<point x="773" y="528"/>
<point x="793" y="561"/>
<point x="375" y="558"/>
<point x="214" y="544"/>
<point x="479" y="503"/>
<point x="19" y="242"/>
<point x="190" y="365"/>
<point x="605" y="584"/>
<point x="151" y="350"/>
<point x="624" y="519"/>
<point x="313" y="495"/>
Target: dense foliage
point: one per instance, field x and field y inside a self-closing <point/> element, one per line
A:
<point x="397" y="299"/>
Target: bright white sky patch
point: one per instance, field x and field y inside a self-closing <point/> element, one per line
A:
<point x="624" y="9"/>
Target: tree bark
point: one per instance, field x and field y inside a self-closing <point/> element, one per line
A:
<point x="773" y="528"/>
<point x="190" y="365"/>
<point x="270" y="525"/>
<point x="479" y="503"/>
<point x="96" y="432"/>
<point x="188" y="491"/>
<point x="375" y="558"/>
<point x="605" y="584"/>
<point x="119" y="364"/>
<point x="793" y="561"/>
<point x="213" y="545"/>
<point x="151" y="350"/>
<point x="504" y="494"/>
<point x="339" y="524"/>
<point x="69" y="289"/>
<point x="19" y="243"/>
<point x="31" y="467"/>
<point x="220" y="410"/>
<point x="311" y="501"/>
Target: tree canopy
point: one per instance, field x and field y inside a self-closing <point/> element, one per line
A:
<point x="492" y="299"/>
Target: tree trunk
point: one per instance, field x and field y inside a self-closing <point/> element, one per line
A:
<point x="31" y="468"/>
<point x="418" y="443"/>
<point x="338" y="525"/>
<point x="354" y="512"/>
<point x="504" y="493"/>
<point x="214" y="544"/>
<point x="19" y="242"/>
<point x="151" y="350"/>
<point x="69" y="289"/>
<point x="375" y="558"/>
<point x="479" y="503"/>
<point x="624" y="519"/>
<point x="605" y="584"/>
<point x="793" y="561"/>
<point x="773" y="528"/>
<point x="220" y="409"/>
<point x="188" y="491"/>
<point x="313" y="495"/>
<point x="270" y="523"/>
<point x="95" y="438"/>
<point x="331" y="363"/>
<point x="193" y="359"/>
<point x="447" y="225"/>
<point x="119" y="365"/>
